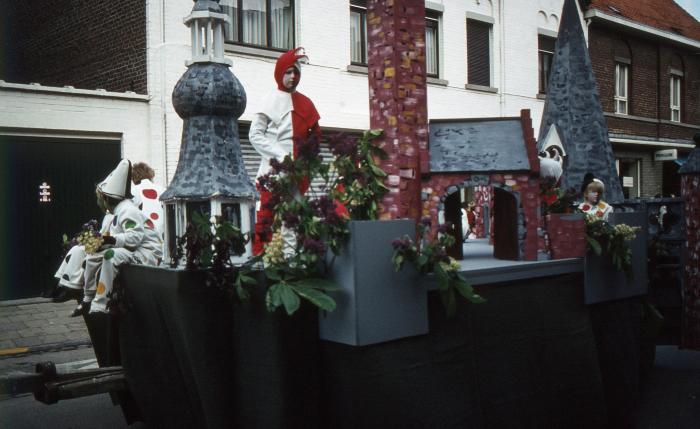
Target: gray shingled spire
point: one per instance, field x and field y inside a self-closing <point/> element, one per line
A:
<point x="209" y="99"/>
<point x="574" y="106"/>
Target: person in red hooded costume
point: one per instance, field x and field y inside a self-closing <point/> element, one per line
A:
<point x="286" y="114"/>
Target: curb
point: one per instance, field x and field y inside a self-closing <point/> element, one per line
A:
<point x="51" y="347"/>
<point x="25" y="301"/>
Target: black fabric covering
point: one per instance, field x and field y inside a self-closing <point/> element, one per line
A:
<point x="528" y="358"/>
<point x="194" y="357"/>
<point x="176" y="349"/>
<point x="617" y="327"/>
<point x="276" y="362"/>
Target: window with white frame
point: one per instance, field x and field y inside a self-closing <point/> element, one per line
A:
<point x="358" y="32"/>
<point x="675" y="95"/>
<point x="432" y="43"/>
<point x="358" y="37"/>
<point x="478" y="52"/>
<point x="621" y="88"/>
<point x="545" y="50"/>
<point x="261" y="23"/>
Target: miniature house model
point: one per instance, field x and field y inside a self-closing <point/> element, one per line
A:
<point x="210" y="176"/>
<point x="487" y="153"/>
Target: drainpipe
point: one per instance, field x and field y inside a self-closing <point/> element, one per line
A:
<point x="164" y="122"/>
<point x="658" y="90"/>
<point x="502" y="58"/>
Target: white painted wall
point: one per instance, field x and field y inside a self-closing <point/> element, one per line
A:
<point x="341" y="96"/>
<point x="35" y="110"/>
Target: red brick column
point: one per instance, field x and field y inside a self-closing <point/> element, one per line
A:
<point x="690" y="191"/>
<point x="398" y="100"/>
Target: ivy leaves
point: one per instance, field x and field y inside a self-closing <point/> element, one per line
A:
<point x="360" y="179"/>
<point x="431" y="257"/>
<point x="288" y="291"/>
<point x="450" y="282"/>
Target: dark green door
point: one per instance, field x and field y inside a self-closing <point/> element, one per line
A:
<point x="47" y="189"/>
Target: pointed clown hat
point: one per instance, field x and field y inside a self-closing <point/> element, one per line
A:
<point x="118" y="184"/>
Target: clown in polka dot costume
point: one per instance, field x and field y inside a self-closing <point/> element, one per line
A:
<point x="126" y="237"/>
<point x="147" y="196"/>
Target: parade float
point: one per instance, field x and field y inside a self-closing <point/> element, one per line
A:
<point x="542" y="340"/>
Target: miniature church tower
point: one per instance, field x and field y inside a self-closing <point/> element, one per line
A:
<point x="573" y="107"/>
<point x="210" y="176"/>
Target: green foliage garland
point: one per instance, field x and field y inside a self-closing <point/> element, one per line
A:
<point x="611" y="240"/>
<point x="431" y="257"/>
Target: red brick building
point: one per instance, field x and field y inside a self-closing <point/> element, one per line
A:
<point x="84" y="44"/>
<point x="646" y="58"/>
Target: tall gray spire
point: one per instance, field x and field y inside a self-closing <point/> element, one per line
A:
<point x="574" y="107"/>
<point x="209" y="99"/>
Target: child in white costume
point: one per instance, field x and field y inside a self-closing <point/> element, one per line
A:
<point x="127" y="239"/>
<point x="71" y="273"/>
<point x="592" y="204"/>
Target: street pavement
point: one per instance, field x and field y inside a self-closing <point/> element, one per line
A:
<point x="32" y="325"/>
<point x="37" y="330"/>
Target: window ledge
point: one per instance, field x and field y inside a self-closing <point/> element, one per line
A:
<point x="651" y="120"/>
<point x="352" y="68"/>
<point x="679" y="124"/>
<point x="631" y="117"/>
<point x="436" y="81"/>
<point x="480" y="88"/>
<point x="541" y="96"/>
<point x="251" y="50"/>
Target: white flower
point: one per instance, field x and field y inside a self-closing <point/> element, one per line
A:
<point x="274" y="250"/>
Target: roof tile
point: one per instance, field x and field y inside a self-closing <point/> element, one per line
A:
<point x="662" y="14"/>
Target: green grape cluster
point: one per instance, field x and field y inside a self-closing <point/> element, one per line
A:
<point x="91" y="240"/>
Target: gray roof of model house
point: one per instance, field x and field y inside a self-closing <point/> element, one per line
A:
<point x="573" y="105"/>
<point x="478" y="145"/>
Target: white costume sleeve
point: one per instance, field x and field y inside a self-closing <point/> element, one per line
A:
<point x="106" y="222"/>
<point x="129" y="230"/>
<point x="265" y="146"/>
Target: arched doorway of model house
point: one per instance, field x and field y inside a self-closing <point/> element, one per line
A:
<point x="493" y="227"/>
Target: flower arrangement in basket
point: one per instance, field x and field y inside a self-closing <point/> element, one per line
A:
<point x="430" y="256"/>
<point x="612" y="241"/>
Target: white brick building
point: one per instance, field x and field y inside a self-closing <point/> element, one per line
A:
<point x="339" y="88"/>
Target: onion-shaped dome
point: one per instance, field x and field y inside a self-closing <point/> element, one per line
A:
<point x="209" y="89"/>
